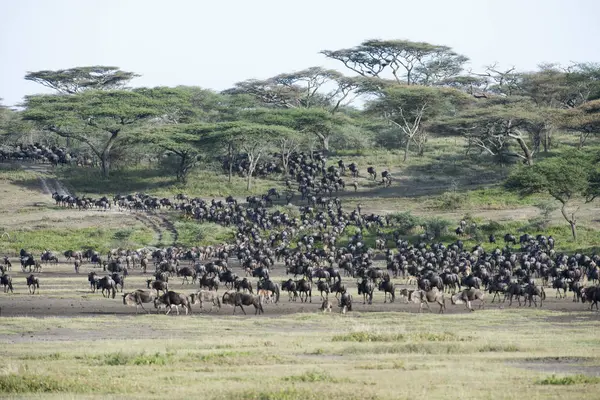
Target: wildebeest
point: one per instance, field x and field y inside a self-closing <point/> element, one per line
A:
<point x="387" y="287"/>
<point x="269" y="285"/>
<point x="138" y="298"/>
<point x="591" y="294"/>
<point x="119" y="280"/>
<point x="33" y="283"/>
<point x="175" y="299"/>
<point x="6" y="281"/>
<point x="433" y="295"/>
<point x="238" y="299"/>
<point x="467" y="296"/>
<point x="323" y="286"/>
<point x="185" y="273"/>
<point x="243" y="285"/>
<point x="533" y="291"/>
<point x="205" y="296"/>
<point x="366" y="288"/>
<point x="346" y="302"/>
<point x="158" y="286"/>
<point x="290" y="287"/>
<point x="107" y="284"/>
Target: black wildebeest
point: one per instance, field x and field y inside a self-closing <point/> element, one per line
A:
<point x="6" y="281"/>
<point x="33" y="282"/>
<point x="532" y="291"/>
<point x="138" y="298"/>
<point x="107" y="284"/>
<point x="323" y="286"/>
<point x="158" y="286"/>
<point x="243" y="285"/>
<point x="366" y="288"/>
<point x="119" y="280"/>
<point x="186" y="273"/>
<point x="290" y="287"/>
<point x="171" y="299"/>
<point x="387" y="287"/>
<point x="238" y="299"/>
<point x="346" y="302"/>
<point x="591" y="294"/>
<point x="467" y="296"/>
<point x="269" y="285"/>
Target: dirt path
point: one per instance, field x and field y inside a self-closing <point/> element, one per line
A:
<point x="48" y="184"/>
<point x="165" y="232"/>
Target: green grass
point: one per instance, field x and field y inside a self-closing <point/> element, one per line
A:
<point x="308" y="355"/>
<point x="205" y="183"/>
<point x="30" y="383"/>
<point x="100" y="239"/>
<point x="569" y="380"/>
<point x="192" y="233"/>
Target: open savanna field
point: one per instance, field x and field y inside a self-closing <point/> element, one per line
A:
<point x="67" y="342"/>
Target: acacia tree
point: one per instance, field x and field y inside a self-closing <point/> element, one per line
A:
<point x="408" y="108"/>
<point x="253" y="140"/>
<point x="97" y="118"/>
<point x="311" y="87"/>
<point x="409" y="62"/>
<point x="566" y="178"/>
<point x="585" y="120"/>
<point x="78" y="79"/>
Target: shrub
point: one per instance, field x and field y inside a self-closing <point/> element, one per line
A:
<point x="436" y="227"/>
<point x="569" y="380"/>
<point x="405" y="222"/>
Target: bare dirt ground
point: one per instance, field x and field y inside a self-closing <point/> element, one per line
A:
<point x="66" y="294"/>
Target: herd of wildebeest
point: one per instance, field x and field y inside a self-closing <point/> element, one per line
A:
<point x="307" y="240"/>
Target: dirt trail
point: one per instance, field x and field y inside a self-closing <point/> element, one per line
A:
<point x="163" y="228"/>
<point x="48" y="184"/>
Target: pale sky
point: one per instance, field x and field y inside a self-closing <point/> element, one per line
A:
<point x="214" y="44"/>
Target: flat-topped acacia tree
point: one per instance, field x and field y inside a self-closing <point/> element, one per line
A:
<point x="98" y="118"/>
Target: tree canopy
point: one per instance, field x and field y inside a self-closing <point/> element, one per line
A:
<point x="78" y="79"/>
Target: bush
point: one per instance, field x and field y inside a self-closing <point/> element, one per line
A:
<point x="436" y="227"/>
<point x="569" y="380"/>
<point x="405" y="222"/>
<point x="452" y="201"/>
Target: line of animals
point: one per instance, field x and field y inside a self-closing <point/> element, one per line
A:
<point x="37" y="152"/>
<point x="315" y="184"/>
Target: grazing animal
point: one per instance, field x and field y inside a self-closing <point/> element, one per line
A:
<point x="387" y="287"/>
<point x="346" y="302"/>
<point x="467" y="296"/>
<point x="206" y="296"/>
<point x="238" y="299"/>
<point x="173" y="299"/>
<point x="107" y="284"/>
<point x="433" y="295"/>
<point x="33" y="283"/>
<point x="138" y="298"/>
<point x="6" y="281"/>
<point x="158" y="286"/>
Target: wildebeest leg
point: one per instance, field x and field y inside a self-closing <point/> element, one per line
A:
<point x="442" y="307"/>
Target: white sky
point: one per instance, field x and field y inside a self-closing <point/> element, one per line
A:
<point x="216" y="43"/>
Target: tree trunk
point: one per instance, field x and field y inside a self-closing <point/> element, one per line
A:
<point x="230" y="156"/>
<point x="527" y="153"/>
<point x="324" y="143"/>
<point x="105" y="164"/>
<point x="572" y="222"/>
<point x="181" y="171"/>
<point x="406" y="148"/>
